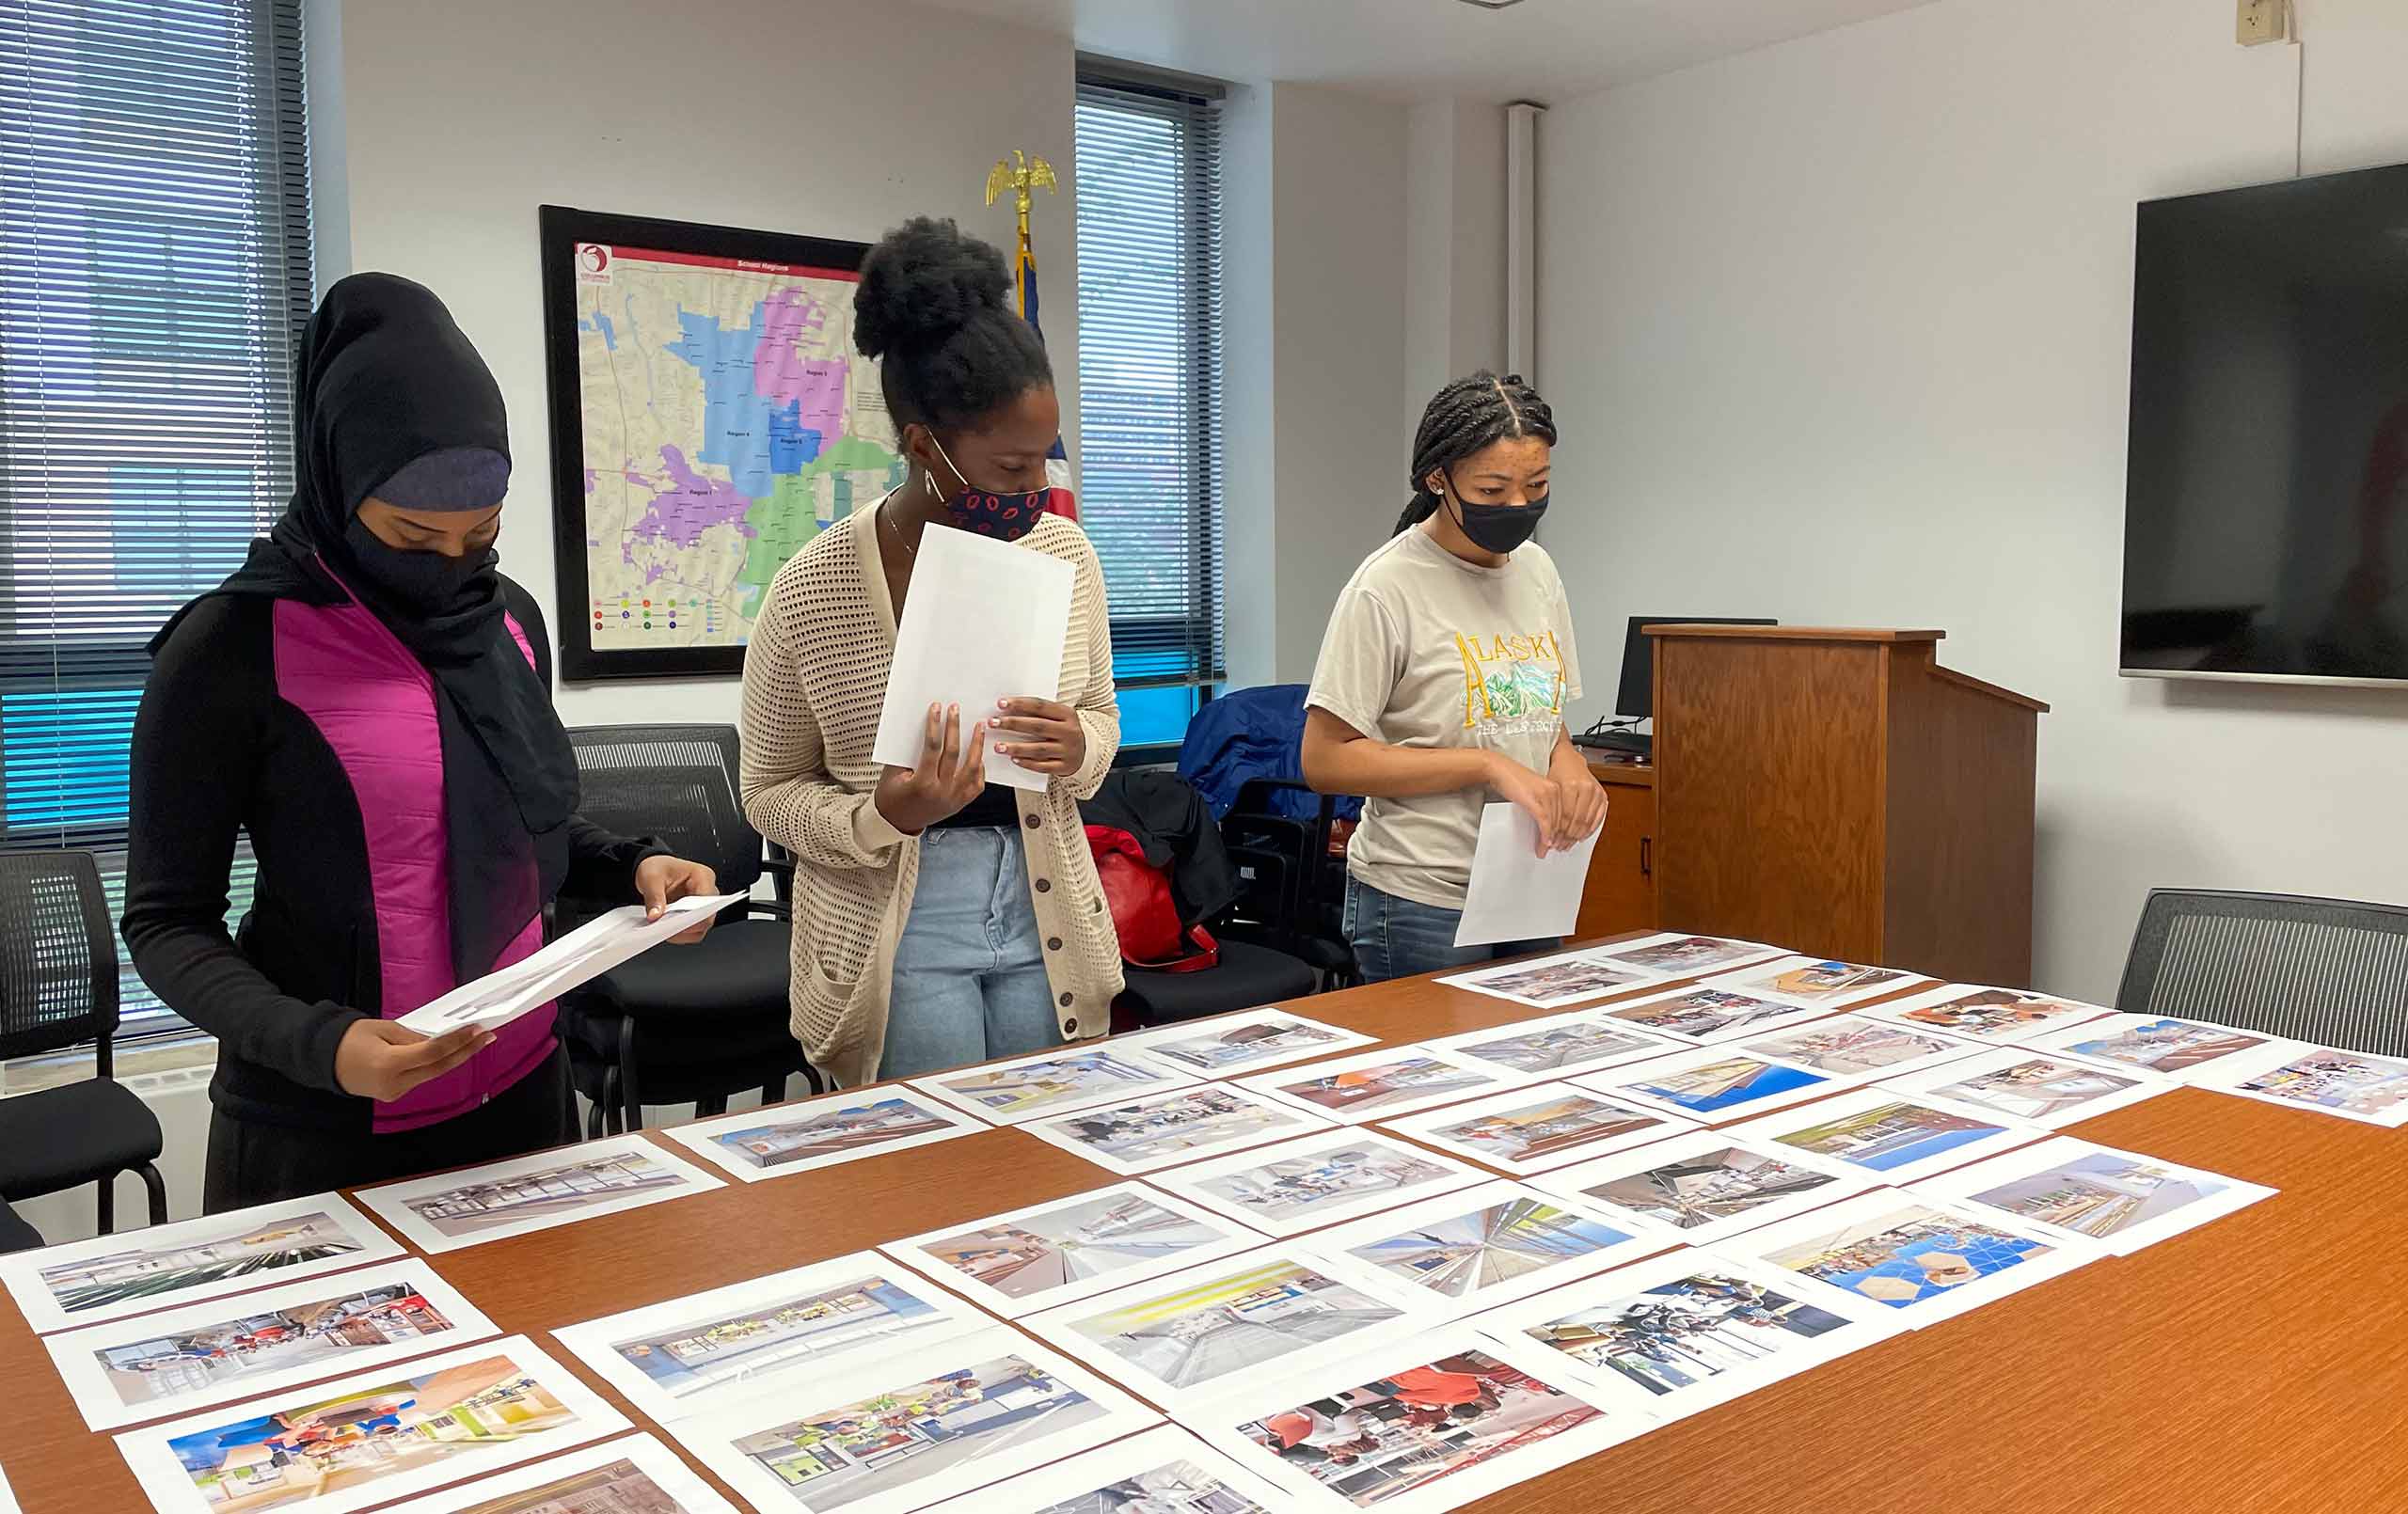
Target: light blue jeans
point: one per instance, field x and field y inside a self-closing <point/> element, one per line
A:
<point x="970" y="972"/>
<point x="1397" y="937"/>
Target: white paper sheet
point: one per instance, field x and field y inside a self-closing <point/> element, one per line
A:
<point x="1987" y="1014"/>
<point x="530" y="1404"/>
<point x="1538" y="1418"/>
<point x="985" y="621"/>
<point x="2354" y="1085"/>
<point x="109" y="1277"/>
<point x="1462" y="1252"/>
<point x="1373" y="1085"/>
<point x="1053" y="1082"/>
<point x="697" y="1355"/>
<point x="1698" y="1188"/>
<point x="1186" y="1339"/>
<point x="451" y="1210"/>
<point x="1925" y="1259"/>
<point x="1317" y="1180"/>
<point x="2087" y="1193"/>
<point x="1884" y="1136"/>
<point x="1516" y="895"/>
<point x="1691" y="1329"/>
<point x="1816" y="983"/>
<point x="1554" y="1046"/>
<point x="1165" y="1130"/>
<point x="1857" y="1046"/>
<point x="583" y="955"/>
<point x="2187" y="1051"/>
<point x="1527" y="1131"/>
<point x="1247" y="1041"/>
<point x="981" y="1408"/>
<point x="2050" y="1089"/>
<point x="7" y="1499"/>
<point x="222" y="1349"/>
<point x="1172" y="1467"/>
<point x="644" y="1467"/>
<point x="1712" y="1085"/>
<point x="759" y="1144"/>
<point x="1063" y="1250"/>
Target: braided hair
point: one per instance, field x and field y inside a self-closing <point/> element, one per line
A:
<point x="1470" y="413"/>
<point x="932" y="309"/>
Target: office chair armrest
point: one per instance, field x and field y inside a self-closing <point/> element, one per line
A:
<point x="779" y="866"/>
<point x="770" y="908"/>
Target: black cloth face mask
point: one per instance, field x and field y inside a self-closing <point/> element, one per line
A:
<point x="1497" y="529"/>
<point x="427" y="583"/>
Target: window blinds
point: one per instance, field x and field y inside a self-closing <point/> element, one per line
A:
<point x="155" y="276"/>
<point x="1149" y="178"/>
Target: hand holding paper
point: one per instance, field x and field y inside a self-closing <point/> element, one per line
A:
<point x="1516" y="894"/>
<point x="586" y="953"/>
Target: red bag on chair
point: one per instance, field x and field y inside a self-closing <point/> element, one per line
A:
<point x="1138" y="894"/>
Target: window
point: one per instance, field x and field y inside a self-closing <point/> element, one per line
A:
<point x="155" y="276"/>
<point x="1149" y="388"/>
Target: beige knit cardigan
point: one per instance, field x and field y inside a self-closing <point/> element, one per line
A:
<point x="814" y="680"/>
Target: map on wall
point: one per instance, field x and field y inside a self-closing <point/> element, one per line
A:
<point x="709" y="417"/>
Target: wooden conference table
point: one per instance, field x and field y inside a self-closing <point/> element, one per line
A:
<point x="2258" y="1363"/>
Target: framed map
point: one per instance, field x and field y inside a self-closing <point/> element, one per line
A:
<point x="709" y="416"/>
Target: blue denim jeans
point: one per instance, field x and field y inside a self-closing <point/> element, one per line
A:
<point x="970" y="972"/>
<point x="1396" y="938"/>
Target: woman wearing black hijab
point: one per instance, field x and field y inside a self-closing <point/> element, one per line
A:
<point x="367" y="700"/>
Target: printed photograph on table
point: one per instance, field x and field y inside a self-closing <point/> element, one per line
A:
<point x="1164" y="1470"/>
<point x="1851" y="1045"/>
<point x="695" y="1355"/>
<point x="370" y="1439"/>
<point x="1051" y="1082"/>
<point x="1250" y="1041"/>
<point x="529" y="1193"/>
<point x="1816" y="983"/>
<point x="221" y="1349"/>
<point x="1701" y="1187"/>
<point x="633" y="1474"/>
<point x="108" y="1277"/>
<point x="1556" y="982"/>
<point x="759" y="1144"/>
<point x="1988" y="1014"/>
<point x="2353" y="1084"/>
<point x="1063" y="1250"/>
<point x="2154" y="1043"/>
<point x="2043" y="1088"/>
<point x="1924" y="1257"/>
<point x="1710" y="1083"/>
<point x="1317" y="1180"/>
<point x="1198" y="1333"/>
<point x="1582" y="1040"/>
<point x="1534" y="1129"/>
<point x="1464" y="1252"/>
<point x="1674" y="956"/>
<point x="923" y="1426"/>
<point x="1376" y="1084"/>
<point x="1424" y="1424"/>
<point x="1690" y="1329"/>
<point x="1705" y="1014"/>
<point x="2120" y="1199"/>
<point x="1168" y="1129"/>
<point x="1884" y="1136"/>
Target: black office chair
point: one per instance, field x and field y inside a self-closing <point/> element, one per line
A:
<point x="681" y="1024"/>
<point x="58" y="976"/>
<point x="2328" y="971"/>
<point x="1203" y="880"/>
<point x="1292" y="891"/>
<point x="15" y="1235"/>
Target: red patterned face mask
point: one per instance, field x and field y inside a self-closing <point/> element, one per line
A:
<point x="1007" y="517"/>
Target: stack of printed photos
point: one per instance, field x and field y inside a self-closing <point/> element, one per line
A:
<point x="1347" y="1275"/>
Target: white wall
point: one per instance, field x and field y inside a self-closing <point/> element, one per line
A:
<point x="1454" y="246"/>
<point x="1839" y="332"/>
<point x="1314" y="301"/>
<point x="461" y="117"/>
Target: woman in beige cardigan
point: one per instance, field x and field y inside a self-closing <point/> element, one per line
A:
<point x="938" y="918"/>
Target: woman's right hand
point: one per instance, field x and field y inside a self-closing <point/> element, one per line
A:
<point x="1535" y="794"/>
<point x="377" y="1059"/>
<point x="951" y="773"/>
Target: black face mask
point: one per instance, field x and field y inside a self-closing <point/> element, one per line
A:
<point x="424" y="583"/>
<point x="1497" y="529"/>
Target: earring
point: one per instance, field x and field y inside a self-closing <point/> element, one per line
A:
<point x="930" y="480"/>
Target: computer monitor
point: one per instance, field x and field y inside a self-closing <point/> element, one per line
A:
<point x="1636" y="699"/>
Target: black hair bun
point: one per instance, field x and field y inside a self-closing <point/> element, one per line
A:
<point x="924" y="281"/>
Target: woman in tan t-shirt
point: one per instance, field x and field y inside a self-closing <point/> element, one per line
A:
<point x="938" y="918"/>
<point x="1442" y="682"/>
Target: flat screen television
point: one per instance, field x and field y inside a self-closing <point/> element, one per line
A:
<point x="2266" y="491"/>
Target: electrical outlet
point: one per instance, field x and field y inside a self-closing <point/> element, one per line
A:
<point x="2261" y="21"/>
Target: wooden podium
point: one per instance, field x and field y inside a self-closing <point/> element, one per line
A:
<point x="1839" y="792"/>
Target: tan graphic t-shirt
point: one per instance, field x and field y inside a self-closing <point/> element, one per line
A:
<point x="1427" y="650"/>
